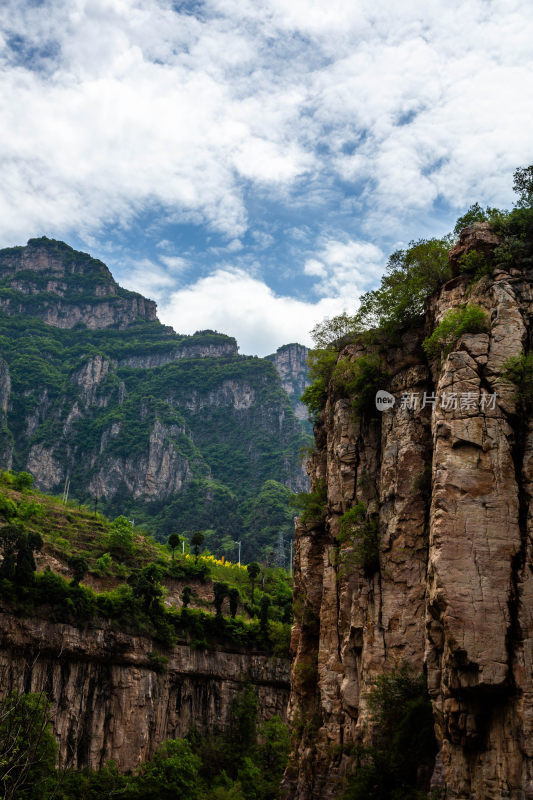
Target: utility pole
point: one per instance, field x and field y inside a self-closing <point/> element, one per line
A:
<point x="281" y="550"/>
<point x="66" y="489"/>
<point x="239" y="543"/>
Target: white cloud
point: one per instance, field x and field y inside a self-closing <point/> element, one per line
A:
<point x="345" y="268"/>
<point x="315" y="268"/>
<point x="139" y="111"/>
<point x="262" y="239"/>
<point x="231" y="301"/>
<point x="130" y="104"/>
<point x="148" y="278"/>
<point x="113" y="108"/>
<point x="176" y="264"/>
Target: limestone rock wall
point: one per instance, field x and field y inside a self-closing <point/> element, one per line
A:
<point x="451" y="483"/>
<point x="291" y="364"/>
<point x="110" y="701"/>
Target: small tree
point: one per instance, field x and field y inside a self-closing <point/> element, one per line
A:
<point x="8" y="508"/>
<point x="186" y="596"/>
<point x="23" y="481"/>
<point x="523" y="185"/>
<point x="79" y="568"/>
<point x="25" y="568"/>
<point x="172" y="773"/>
<point x="233" y="602"/>
<point x="263" y="613"/>
<point x="243" y="722"/>
<point x="121" y="537"/>
<point x="253" y="572"/>
<point x="10" y="536"/>
<point x="221" y="590"/>
<point x="28" y="749"/>
<point x="145" y="584"/>
<point x="197" y="540"/>
<point x="174" y="541"/>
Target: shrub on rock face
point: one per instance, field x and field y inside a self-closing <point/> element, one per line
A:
<point x="321" y="364"/>
<point x="362" y="531"/>
<point x="360" y="380"/>
<point x="399" y="762"/>
<point x="456" y="321"/>
<point x="519" y="370"/>
<point x="312" y="505"/>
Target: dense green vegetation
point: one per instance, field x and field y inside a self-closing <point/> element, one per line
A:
<point x="360" y="380"/>
<point x="398" y="764"/>
<point x="28" y="750"/>
<point x="140" y="568"/>
<point x="321" y="365"/>
<point x="312" y="505"/>
<point x="226" y="419"/>
<point x="243" y="761"/>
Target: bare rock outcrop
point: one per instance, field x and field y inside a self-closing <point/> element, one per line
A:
<point x="155" y="474"/>
<point x="290" y="361"/>
<point x="478" y="236"/>
<point x="187" y="350"/>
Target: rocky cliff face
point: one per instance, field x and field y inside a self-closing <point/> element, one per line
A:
<point x="50" y="280"/>
<point x="449" y="479"/>
<point x="110" y="700"/>
<point x="290" y="361"/>
<point x="221" y="349"/>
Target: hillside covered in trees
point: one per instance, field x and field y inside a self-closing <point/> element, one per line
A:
<point x="178" y="431"/>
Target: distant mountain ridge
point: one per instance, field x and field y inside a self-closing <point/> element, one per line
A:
<point x="180" y="432"/>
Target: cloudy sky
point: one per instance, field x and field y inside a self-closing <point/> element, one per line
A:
<point x="250" y="164"/>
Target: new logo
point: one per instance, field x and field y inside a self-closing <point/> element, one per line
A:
<point x="384" y="400"/>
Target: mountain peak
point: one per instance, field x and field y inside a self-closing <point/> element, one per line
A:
<point x="65" y="287"/>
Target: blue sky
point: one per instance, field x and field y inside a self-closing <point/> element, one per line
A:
<point x="251" y="165"/>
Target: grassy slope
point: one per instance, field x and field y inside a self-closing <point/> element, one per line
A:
<point x="69" y="531"/>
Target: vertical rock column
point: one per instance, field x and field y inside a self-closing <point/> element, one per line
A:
<point x="475" y="546"/>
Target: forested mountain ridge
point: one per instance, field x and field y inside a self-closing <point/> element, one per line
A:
<point x="181" y="431"/>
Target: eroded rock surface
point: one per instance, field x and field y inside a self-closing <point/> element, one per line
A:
<point x="111" y="701"/>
